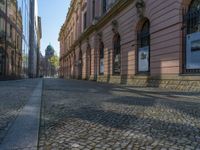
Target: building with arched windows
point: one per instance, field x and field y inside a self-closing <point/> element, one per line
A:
<point x="135" y="42"/>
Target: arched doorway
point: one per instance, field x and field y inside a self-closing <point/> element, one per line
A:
<point x="192" y="38"/>
<point x="143" y="51"/>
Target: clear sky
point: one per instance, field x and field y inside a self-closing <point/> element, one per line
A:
<point x="53" y="14"/>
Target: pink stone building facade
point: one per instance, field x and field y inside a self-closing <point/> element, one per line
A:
<point x="135" y="42"/>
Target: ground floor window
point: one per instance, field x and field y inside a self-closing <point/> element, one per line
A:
<point x="101" y="66"/>
<point x="144" y="48"/>
<point x="117" y="54"/>
<point x="192" y="38"/>
<point x="80" y="63"/>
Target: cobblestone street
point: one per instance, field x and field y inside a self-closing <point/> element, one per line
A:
<point x="13" y="96"/>
<point x="88" y="115"/>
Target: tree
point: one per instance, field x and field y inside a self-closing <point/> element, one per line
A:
<point x="53" y="64"/>
<point x="54" y="61"/>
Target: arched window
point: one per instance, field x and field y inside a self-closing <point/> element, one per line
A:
<point x="101" y="57"/>
<point x="193" y="17"/>
<point x="192" y="38"/>
<point x="93" y="9"/>
<point x="117" y="52"/>
<point x="145" y="34"/>
<point x="144" y="48"/>
<point x="104" y="6"/>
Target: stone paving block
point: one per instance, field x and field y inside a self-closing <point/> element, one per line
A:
<point x="117" y="117"/>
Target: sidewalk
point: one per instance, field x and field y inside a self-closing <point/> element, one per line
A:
<point x="24" y="132"/>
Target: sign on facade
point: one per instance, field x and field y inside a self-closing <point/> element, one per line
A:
<point x="143" y="59"/>
<point x="117" y="64"/>
<point x="193" y="51"/>
<point x="101" y="66"/>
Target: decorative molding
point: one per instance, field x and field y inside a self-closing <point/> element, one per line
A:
<point x="100" y="34"/>
<point x="140" y="5"/>
<point x="114" y="11"/>
<point x="114" y="26"/>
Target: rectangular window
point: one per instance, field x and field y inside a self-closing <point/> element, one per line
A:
<point x="11" y="31"/>
<point x="85" y="20"/>
<point x="93" y="9"/>
<point x="104" y="6"/>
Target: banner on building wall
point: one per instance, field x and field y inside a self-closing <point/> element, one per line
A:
<point x="117" y="64"/>
<point x="101" y="66"/>
<point x="143" y="60"/>
<point x="193" y="51"/>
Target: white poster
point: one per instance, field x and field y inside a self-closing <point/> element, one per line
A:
<point x="193" y="51"/>
<point x="143" y="59"/>
<point x="101" y="66"/>
<point x="117" y="64"/>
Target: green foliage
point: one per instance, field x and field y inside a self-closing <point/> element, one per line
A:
<point x="54" y="60"/>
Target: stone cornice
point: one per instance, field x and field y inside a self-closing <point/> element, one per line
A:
<point x="68" y="17"/>
<point x="115" y="10"/>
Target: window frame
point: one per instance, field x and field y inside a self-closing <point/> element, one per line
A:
<point x="116" y="48"/>
<point x="188" y="28"/>
<point x="141" y="36"/>
<point x="101" y="56"/>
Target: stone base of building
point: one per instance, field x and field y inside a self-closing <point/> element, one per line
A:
<point x="5" y="78"/>
<point x="178" y="83"/>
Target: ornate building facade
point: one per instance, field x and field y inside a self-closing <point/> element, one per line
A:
<point x="136" y="42"/>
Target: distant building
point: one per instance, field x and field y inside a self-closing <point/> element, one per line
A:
<point x="41" y="65"/>
<point x="136" y="42"/>
<point x="50" y="70"/>
<point x="34" y="40"/>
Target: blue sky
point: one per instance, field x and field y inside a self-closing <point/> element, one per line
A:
<point x="53" y="14"/>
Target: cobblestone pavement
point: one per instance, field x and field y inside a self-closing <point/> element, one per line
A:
<point x="87" y="115"/>
<point x="13" y="96"/>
